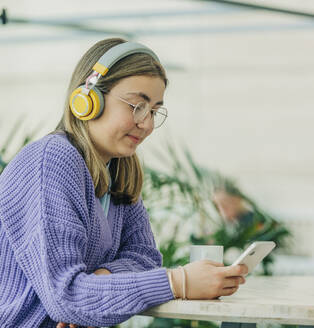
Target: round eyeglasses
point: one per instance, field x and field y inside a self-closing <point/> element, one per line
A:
<point x="142" y="109"/>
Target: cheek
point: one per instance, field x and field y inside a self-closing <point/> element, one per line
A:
<point x="93" y="128"/>
<point x="149" y="132"/>
<point x="125" y="122"/>
<point x="117" y="122"/>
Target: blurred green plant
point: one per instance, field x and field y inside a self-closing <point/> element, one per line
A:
<point x="182" y="212"/>
<point x="183" y="196"/>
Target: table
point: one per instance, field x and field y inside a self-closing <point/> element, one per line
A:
<point x="271" y="299"/>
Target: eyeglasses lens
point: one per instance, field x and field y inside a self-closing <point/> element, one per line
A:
<point x="142" y="109"/>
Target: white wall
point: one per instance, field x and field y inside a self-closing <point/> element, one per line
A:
<point x="242" y="101"/>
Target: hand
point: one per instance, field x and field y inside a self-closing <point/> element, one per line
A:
<point x="72" y="325"/>
<point x="65" y="325"/>
<point x="102" y="271"/>
<point x="208" y="280"/>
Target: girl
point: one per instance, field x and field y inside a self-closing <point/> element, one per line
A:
<point x="76" y="245"/>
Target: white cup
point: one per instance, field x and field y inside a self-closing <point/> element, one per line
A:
<point x="209" y="252"/>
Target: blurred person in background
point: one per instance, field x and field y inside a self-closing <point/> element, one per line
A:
<point x="233" y="208"/>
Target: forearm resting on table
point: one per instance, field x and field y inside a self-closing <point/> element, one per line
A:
<point x="63" y="324"/>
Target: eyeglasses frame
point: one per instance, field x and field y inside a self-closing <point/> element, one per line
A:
<point x="134" y="109"/>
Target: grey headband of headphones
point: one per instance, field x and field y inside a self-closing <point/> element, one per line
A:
<point x="114" y="54"/>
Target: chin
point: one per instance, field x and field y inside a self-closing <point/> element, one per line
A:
<point x="126" y="149"/>
<point x="126" y="153"/>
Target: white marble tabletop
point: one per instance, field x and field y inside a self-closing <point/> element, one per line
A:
<point x="285" y="299"/>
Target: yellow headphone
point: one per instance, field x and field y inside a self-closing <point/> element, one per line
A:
<point x="86" y="101"/>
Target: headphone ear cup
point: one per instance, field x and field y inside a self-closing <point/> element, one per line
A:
<point x="86" y="107"/>
<point x="100" y="101"/>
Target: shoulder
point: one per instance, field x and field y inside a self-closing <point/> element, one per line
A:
<point x="51" y="152"/>
<point x="53" y="148"/>
<point x="54" y="144"/>
<point x="58" y="151"/>
<point x="62" y="163"/>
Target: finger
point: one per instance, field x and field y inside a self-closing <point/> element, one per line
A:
<point x="214" y="263"/>
<point x="217" y="264"/>
<point x="228" y="291"/>
<point x="245" y="268"/>
<point x="72" y="325"/>
<point x="240" y="279"/>
<point x="62" y="325"/>
<point x="235" y="270"/>
<point x="233" y="282"/>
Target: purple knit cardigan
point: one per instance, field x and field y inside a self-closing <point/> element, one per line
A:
<point x="54" y="235"/>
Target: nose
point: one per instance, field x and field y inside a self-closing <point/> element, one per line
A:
<point x="147" y="123"/>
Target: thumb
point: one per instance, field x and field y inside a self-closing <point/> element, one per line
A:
<point x="235" y="270"/>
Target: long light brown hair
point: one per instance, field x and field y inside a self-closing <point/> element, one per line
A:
<point x="126" y="173"/>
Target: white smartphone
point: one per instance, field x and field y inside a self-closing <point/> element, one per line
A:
<point x="254" y="254"/>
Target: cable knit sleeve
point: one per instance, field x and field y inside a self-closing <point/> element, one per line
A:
<point x="43" y="205"/>
<point x="137" y="250"/>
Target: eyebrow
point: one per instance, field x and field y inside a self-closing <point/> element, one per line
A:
<point x="145" y="97"/>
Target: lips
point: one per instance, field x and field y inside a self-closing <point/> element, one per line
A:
<point x="134" y="138"/>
